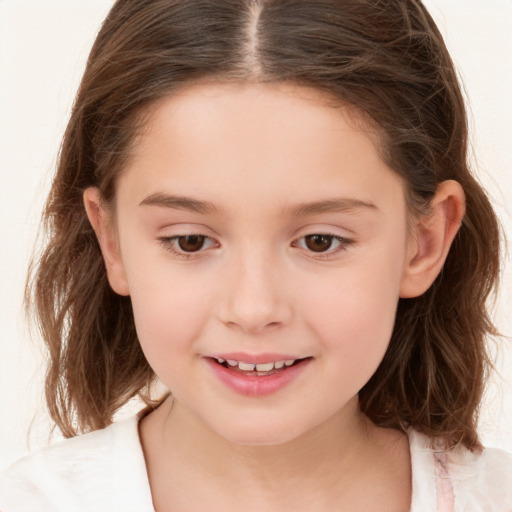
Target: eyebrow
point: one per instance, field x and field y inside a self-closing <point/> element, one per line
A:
<point x="179" y="203"/>
<point x="330" y="206"/>
<point x="301" y="210"/>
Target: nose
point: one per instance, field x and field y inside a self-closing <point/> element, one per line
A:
<point x="255" y="297"/>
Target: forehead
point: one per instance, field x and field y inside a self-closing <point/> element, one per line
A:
<point x="298" y="105"/>
<point x="257" y="140"/>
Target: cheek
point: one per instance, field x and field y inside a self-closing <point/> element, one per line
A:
<point x="169" y="312"/>
<point x="359" y="315"/>
<point x="354" y="312"/>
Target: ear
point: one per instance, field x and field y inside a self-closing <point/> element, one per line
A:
<point x="432" y="238"/>
<point x="103" y="225"/>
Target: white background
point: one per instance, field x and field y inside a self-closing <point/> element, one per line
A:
<point x="43" y="47"/>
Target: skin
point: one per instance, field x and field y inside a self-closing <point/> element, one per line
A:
<point x="256" y="154"/>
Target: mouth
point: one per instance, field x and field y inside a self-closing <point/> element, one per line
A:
<point x="257" y="375"/>
<point x="258" y="369"/>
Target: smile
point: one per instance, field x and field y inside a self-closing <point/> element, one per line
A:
<point x="260" y="378"/>
<point x="262" y="368"/>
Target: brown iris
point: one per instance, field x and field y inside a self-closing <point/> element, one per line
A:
<point x="191" y="243"/>
<point x="318" y="243"/>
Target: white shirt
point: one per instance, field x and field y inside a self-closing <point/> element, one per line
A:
<point x="105" y="471"/>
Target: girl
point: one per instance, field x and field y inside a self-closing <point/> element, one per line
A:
<point x="266" y="206"/>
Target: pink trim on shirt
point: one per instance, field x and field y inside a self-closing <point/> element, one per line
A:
<point x="444" y="488"/>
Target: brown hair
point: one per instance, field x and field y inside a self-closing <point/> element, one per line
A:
<point x="387" y="59"/>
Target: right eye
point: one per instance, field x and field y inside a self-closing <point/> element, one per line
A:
<point x="184" y="245"/>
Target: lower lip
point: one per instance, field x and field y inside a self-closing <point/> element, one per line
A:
<point x="257" y="385"/>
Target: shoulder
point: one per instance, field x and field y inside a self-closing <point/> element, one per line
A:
<point x="102" y="470"/>
<point x="459" y="479"/>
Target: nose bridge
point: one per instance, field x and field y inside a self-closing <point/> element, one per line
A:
<point x="255" y="296"/>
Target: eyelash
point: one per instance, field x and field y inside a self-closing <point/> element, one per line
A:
<point x="170" y="242"/>
<point x="344" y="243"/>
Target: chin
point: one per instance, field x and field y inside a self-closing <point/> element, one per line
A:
<point x="258" y="434"/>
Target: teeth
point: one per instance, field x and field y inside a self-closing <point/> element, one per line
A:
<point x="262" y="367"/>
<point x="246" y="367"/>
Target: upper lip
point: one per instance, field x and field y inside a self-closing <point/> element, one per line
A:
<point x="255" y="358"/>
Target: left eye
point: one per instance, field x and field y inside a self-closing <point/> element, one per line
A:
<point x="321" y="243"/>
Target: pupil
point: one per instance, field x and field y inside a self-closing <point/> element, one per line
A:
<point x="191" y="243"/>
<point x="318" y="243"/>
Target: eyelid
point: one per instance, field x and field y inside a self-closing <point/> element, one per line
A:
<point x="169" y="244"/>
<point x="344" y="243"/>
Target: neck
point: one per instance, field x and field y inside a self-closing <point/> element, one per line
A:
<point x="187" y="460"/>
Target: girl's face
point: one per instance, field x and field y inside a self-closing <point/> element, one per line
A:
<point x="257" y="225"/>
